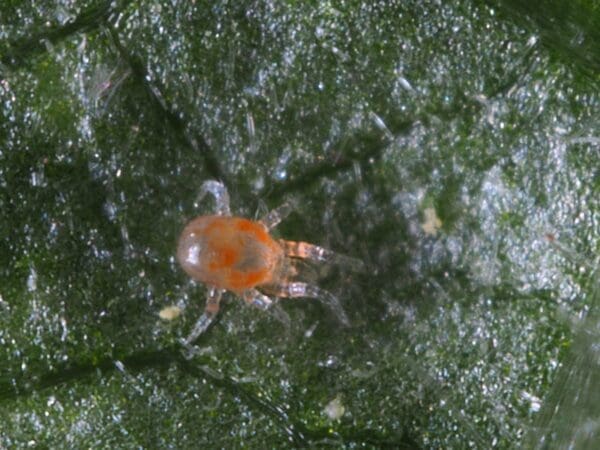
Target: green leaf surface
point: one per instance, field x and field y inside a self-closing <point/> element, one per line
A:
<point x="454" y="147"/>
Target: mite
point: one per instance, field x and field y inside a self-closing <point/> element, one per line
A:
<point x="228" y="253"/>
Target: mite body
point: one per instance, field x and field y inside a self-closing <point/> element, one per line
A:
<point x="230" y="253"/>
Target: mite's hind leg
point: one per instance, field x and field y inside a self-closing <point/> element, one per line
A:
<point x="208" y="316"/>
<point x="272" y="219"/>
<point x="219" y="192"/>
<point x="298" y="289"/>
<point x="258" y="299"/>
<point x="296" y="249"/>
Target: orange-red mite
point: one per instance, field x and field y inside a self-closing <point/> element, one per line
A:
<point x="230" y="253"/>
<point x="234" y="254"/>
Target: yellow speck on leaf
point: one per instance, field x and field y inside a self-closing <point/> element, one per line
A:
<point x="432" y="222"/>
<point x="169" y="312"/>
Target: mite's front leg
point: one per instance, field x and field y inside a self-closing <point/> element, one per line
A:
<point x="208" y="316"/>
<point x="219" y="192"/>
<point x="272" y="219"/>
<point x="296" y="249"/>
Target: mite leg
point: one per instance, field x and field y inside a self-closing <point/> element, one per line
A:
<point x="219" y="192"/>
<point x="208" y="316"/>
<point x="308" y="290"/>
<point x="272" y="219"/>
<point x="255" y="298"/>
<point x="296" y="249"/>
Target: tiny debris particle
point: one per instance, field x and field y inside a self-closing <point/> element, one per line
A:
<point x="432" y="222"/>
<point x="169" y="312"/>
<point x="335" y="408"/>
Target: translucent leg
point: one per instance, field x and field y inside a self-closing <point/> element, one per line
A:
<point x="258" y="299"/>
<point x="255" y="298"/>
<point x="272" y="219"/>
<point x="305" y="250"/>
<point x="109" y="88"/>
<point x="308" y="290"/>
<point x="210" y="312"/>
<point x="219" y="192"/>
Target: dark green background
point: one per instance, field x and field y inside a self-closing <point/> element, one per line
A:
<point x="484" y="335"/>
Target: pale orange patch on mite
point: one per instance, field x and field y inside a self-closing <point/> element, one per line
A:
<point x="223" y="258"/>
<point x="255" y="228"/>
<point x="239" y="281"/>
<point x="245" y="225"/>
